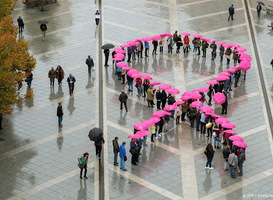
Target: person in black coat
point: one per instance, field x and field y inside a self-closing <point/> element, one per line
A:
<point x="158" y="99"/>
<point x="225" y="104"/>
<point x="237" y="76"/>
<point x="71" y="80"/>
<point x="179" y="44"/>
<point x="134" y="150"/>
<point x="106" y="53"/>
<point x="163" y="98"/>
<point x="90" y="63"/>
<point x="155" y="43"/>
<point x="98" y="145"/>
<point x="231" y="12"/>
<point x="20" y="24"/>
<point x="60" y="114"/>
<point x="123" y="100"/>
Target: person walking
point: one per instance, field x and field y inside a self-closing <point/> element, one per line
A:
<point x="116" y="150"/>
<point x="222" y="52"/>
<point x="209" y="152"/>
<point x="60" y="114"/>
<point x="225" y="104"/>
<point x="98" y="145"/>
<point x="231" y="11"/>
<point x="259" y="8"/>
<point x="123" y="100"/>
<point x="43" y="28"/>
<point x="29" y="79"/>
<point x="161" y="44"/>
<point x="106" y="53"/>
<point x="203" y="123"/>
<point x="158" y="99"/>
<point x="20" y="24"/>
<point x="83" y="161"/>
<point x="90" y="63"/>
<point x="52" y="75"/>
<point x="186" y="44"/>
<point x="97" y="18"/>
<point x="233" y="162"/>
<point x="59" y="74"/>
<point x="122" y="155"/>
<point x="241" y="159"/>
<point x="134" y="150"/>
<point x="226" y="153"/>
<point x="150" y="96"/>
<point x="155" y="44"/>
<point x="71" y="83"/>
<point x="146" y="44"/>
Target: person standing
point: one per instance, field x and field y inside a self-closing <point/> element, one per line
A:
<point x="184" y="110"/>
<point x="175" y="36"/>
<point x="29" y="79"/>
<point x="170" y="44"/>
<point x="204" y="46"/>
<point x="198" y="118"/>
<point x="134" y="150"/>
<point x="217" y="131"/>
<point x="60" y="114"/>
<point x="123" y="72"/>
<point x="59" y="74"/>
<point x="90" y="63"/>
<point x="98" y="145"/>
<point x="226" y="153"/>
<point x="203" y="123"/>
<point x="230" y="82"/>
<point x="209" y="152"/>
<point x="210" y="94"/>
<point x="84" y="161"/>
<point x="146" y="44"/>
<point x="231" y="12"/>
<point x="129" y="52"/>
<point x="158" y="99"/>
<point x="145" y="87"/>
<point x="139" y="49"/>
<point x="161" y="44"/>
<point x="106" y="53"/>
<point x="194" y="42"/>
<point x="241" y="159"/>
<point x="227" y="54"/>
<point x="163" y="98"/>
<point x="213" y="48"/>
<point x="198" y="42"/>
<point x="225" y="104"/>
<point x="71" y="80"/>
<point x="116" y="150"/>
<point x="237" y="77"/>
<point x="271" y="63"/>
<point x="43" y="28"/>
<point x="193" y="116"/>
<point x="122" y="155"/>
<point x="222" y="52"/>
<point x="130" y="82"/>
<point x="178" y="44"/>
<point x="52" y="75"/>
<point x="152" y="132"/>
<point x="20" y="24"/>
<point x="233" y="162"/>
<point x="259" y="8"/>
<point x="123" y="100"/>
<point x="186" y="44"/>
<point x="155" y="43"/>
<point x="150" y="96"/>
<point x="171" y="101"/>
<point x="97" y="18"/>
<point x="139" y="86"/>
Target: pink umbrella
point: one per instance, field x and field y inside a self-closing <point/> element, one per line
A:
<point x="203" y="89"/>
<point x="147" y="39"/>
<point x="187" y="93"/>
<point x="196" y="104"/>
<point x="212" y="41"/>
<point x="229" y="70"/>
<point x="206" y="109"/>
<point x="121" y="64"/>
<point x="224" y="74"/>
<point x="230" y="132"/>
<point x="146" y="76"/>
<point x="239" y="144"/>
<point x="118" y="58"/>
<point x="155" y="83"/>
<point x="236" y="138"/>
<point x="173" y="91"/>
<point x="211" y="82"/>
<point x="138" y="40"/>
<point x="235" y="45"/>
<point x="156" y="37"/>
<point x="143" y="133"/>
<point x="178" y="103"/>
<point x="140" y="126"/>
<point x="126" y="68"/>
<point x="195" y="95"/>
<point x="152" y="121"/>
<point x="228" y="125"/>
<point x="219" y="98"/>
<point x="227" y="45"/>
<point x="124" y="45"/>
<point x="241" y="49"/>
<point x="160" y="113"/>
<point x="170" y="107"/>
<point x="119" y="55"/>
<point x="220" y="42"/>
<point x="132" y="71"/>
<point x="131" y="43"/>
<point x="221" y="78"/>
<point x="197" y="36"/>
<point x="164" y="87"/>
<point x="134" y="136"/>
<point x="167" y="34"/>
<point x="212" y="115"/>
<point x="186" y="97"/>
<point x="185" y="33"/>
<point x="245" y="66"/>
<point x="205" y="39"/>
<point x="136" y="75"/>
<point x="119" y="50"/>
<point x="221" y="120"/>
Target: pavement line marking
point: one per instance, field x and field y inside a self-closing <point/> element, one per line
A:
<point x="135" y="13"/>
<point x="49" y="183"/>
<point x="45" y="139"/>
<point x="208" y="15"/>
<point x="64" y="48"/>
<point x="244" y="134"/>
<point x="145" y="183"/>
<point x="241" y="184"/>
<point x="193" y="3"/>
<point x="225" y="28"/>
<point x="55" y="101"/>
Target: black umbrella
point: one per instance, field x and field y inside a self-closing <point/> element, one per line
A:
<point x="108" y="46"/>
<point x="260" y="2"/>
<point x="42" y="21"/>
<point x="95" y="134"/>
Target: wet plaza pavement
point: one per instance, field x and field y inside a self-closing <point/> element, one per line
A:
<point x="39" y="161"/>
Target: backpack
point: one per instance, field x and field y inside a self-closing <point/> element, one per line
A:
<point x="81" y="161"/>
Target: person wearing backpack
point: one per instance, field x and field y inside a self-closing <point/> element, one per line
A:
<point x="116" y="150"/>
<point x="83" y="164"/>
<point x="209" y="152"/>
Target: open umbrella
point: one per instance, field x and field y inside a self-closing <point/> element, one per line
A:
<point x="154" y="83"/>
<point x="170" y="107"/>
<point x="221" y="78"/>
<point x="107" y="46"/>
<point x="156" y="37"/>
<point x="203" y="89"/>
<point x="228" y="125"/>
<point x="211" y="82"/>
<point x="146" y="76"/>
<point x="164" y="87"/>
<point x="132" y="71"/>
<point x="195" y="95"/>
<point x="239" y="144"/>
<point x="260" y="2"/>
<point x="178" y="103"/>
<point x="186" y="97"/>
<point x="212" y="115"/>
<point x="119" y="55"/>
<point x="42" y="21"/>
<point x="126" y="68"/>
<point x="173" y="91"/>
<point x="142" y="133"/>
<point x="131" y="43"/>
<point x="231" y="132"/>
<point x="185" y="33"/>
<point x="197" y="36"/>
<point x="236" y="138"/>
<point x="118" y="59"/>
<point x="221" y="120"/>
<point x="206" y="109"/>
<point x="140" y="126"/>
<point x="160" y="113"/>
<point x="152" y="121"/>
<point x="121" y="64"/>
<point x="95" y="134"/>
<point x="134" y="136"/>
<point x="196" y="104"/>
<point x="224" y="74"/>
<point x="147" y="39"/>
<point x="119" y="50"/>
<point x="219" y="98"/>
<point x="219" y="42"/>
<point x="136" y="75"/>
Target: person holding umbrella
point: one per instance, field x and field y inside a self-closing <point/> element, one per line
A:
<point x="43" y="28"/>
<point x="259" y="8"/>
<point x="98" y="145"/>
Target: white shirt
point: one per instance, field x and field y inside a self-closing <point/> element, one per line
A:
<point x="97" y="16"/>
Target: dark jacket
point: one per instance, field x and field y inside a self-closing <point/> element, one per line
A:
<point x="209" y="153"/>
<point x="259" y="7"/>
<point x="171" y="100"/>
<point x="226" y="153"/>
<point x="163" y="96"/>
<point x="43" y="27"/>
<point x="20" y="21"/>
<point x="158" y="96"/>
<point x="198" y="116"/>
<point x="115" y="146"/>
<point x="106" y="52"/>
<point x="59" y="73"/>
<point x="89" y="62"/>
<point x="226" y="101"/>
<point x="29" y="78"/>
<point x="231" y="10"/>
<point x="100" y="141"/>
<point x="52" y="73"/>
<point x="130" y="79"/>
<point x="60" y="111"/>
<point x="241" y="157"/>
<point x="73" y="80"/>
<point x="123" y="97"/>
<point x="155" y="43"/>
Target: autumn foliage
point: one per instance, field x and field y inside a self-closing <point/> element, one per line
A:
<point x="15" y="59"/>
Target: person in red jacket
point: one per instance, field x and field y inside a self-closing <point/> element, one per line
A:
<point x="186" y="44"/>
<point x="139" y="86"/>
